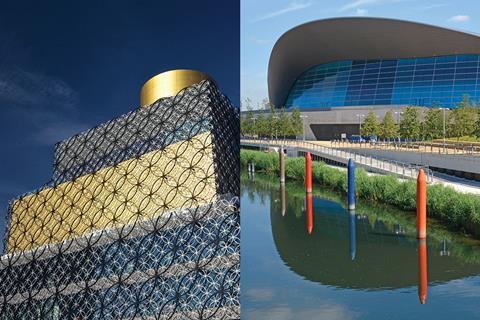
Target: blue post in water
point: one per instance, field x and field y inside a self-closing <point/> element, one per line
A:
<point x="353" y="235"/>
<point x="351" y="185"/>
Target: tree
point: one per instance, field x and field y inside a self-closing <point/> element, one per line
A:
<point x="388" y="127"/>
<point x="246" y="104"/>
<point x="249" y="124"/>
<point x="433" y="124"/>
<point x="462" y="120"/>
<point x="283" y="124"/>
<point x="370" y="125"/>
<point x="410" y="123"/>
<point x="272" y="123"/>
<point x="266" y="105"/>
<point x="242" y="126"/>
<point x="477" y="124"/>
<point x="296" y="124"/>
<point x="261" y="125"/>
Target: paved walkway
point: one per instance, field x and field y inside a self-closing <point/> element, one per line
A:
<point x="425" y="147"/>
<point x="370" y="163"/>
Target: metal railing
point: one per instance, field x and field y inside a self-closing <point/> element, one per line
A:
<point x="402" y="169"/>
<point x="452" y="148"/>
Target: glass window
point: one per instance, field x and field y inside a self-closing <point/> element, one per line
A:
<point x="415" y="80"/>
<point x="446" y="59"/>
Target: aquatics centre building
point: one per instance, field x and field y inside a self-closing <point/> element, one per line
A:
<point x="336" y="70"/>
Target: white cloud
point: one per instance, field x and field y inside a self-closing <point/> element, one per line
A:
<point x="29" y="89"/>
<point x="324" y="311"/>
<point x="361" y="12"/>
<point x="292" y="6"/>
<point x="361" y="3"/>
<point x="357" y="3"/>
<point x="47" y="104"/>
<point x="459" y="18"/>
<point x="260" y="294"/>
<point x="433" y="6"/>
<point x="261" y="41"/>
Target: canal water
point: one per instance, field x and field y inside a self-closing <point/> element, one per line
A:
<point x="309" y="258"/>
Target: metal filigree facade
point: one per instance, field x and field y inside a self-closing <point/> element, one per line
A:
<point x="140" y="220"/>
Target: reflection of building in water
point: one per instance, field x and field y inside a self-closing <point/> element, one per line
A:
<point x="385" y="260"/>
<point x="140" y="218"/>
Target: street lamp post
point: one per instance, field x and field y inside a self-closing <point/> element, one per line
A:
<point x="444" y="131"/>
<point x="276" y="127"/>
<point x="303" y="122"/>
<point x="398" y="113"/>
<point x="360" y="116"/>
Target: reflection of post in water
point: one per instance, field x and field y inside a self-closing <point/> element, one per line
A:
<point x="444" y="251"/>
<point x="281" y="164"/>
<point x="353" y="234"/>
<point x="422" y="270"/>
<point x="251" y="171"/>
<point x="282" y="195"/>
<point x="309" y="213"/>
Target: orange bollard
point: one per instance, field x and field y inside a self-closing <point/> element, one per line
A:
<point x="309" y="213"/>
<point x="422" y="271"/>
<point x="308" y="172"/>
<point x="421" y="205"/>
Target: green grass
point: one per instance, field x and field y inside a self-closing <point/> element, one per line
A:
<point x="458" y="211"/>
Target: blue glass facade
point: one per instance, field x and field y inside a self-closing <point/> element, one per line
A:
<point x="435" y="81"/>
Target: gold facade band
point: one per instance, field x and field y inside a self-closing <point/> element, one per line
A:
<point x="168" y="84"/>
<point x="179" y="176"/>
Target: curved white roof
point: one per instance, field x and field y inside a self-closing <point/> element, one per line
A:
<point x="357" y="38"/>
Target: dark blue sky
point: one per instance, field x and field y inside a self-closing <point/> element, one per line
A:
<point x="66" y="66"/>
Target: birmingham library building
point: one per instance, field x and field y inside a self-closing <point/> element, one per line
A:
<point x="140" y="219"/>
<point x="337" y="70"/>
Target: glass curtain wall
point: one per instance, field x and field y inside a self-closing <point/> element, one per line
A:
<point x="431" y="82"/>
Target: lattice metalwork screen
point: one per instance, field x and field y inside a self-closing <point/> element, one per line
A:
<point x="140" y="220"/>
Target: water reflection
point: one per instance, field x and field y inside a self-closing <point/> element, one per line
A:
<point x="284" y="201"/>
<point x="353" y="235"/>
<point x="422" y="270"/>
<point x="290" y="273"/>
<point x="309" y="202"/>
<point x="387" y="258"/>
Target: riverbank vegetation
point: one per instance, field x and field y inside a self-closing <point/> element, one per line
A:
<point x="458" y="211"/>
<point x="275" y="123"/>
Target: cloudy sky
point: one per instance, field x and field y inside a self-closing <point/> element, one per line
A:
<point x="263" y="22"/>
<point x="66" y="66"/>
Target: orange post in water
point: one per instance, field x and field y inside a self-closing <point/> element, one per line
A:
<point x="422" y="271"/>
<point x="308" y="172"/>
<point x="309" y="213"/>
<point x="421" y="205"/>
